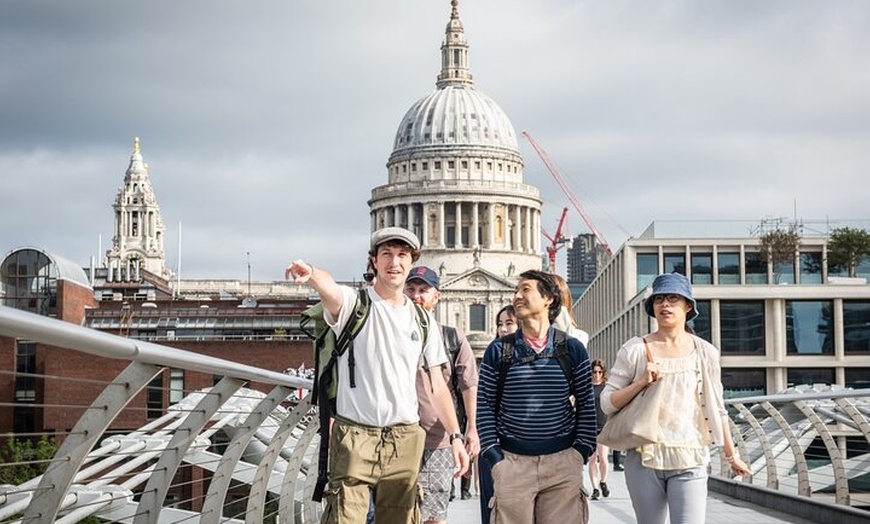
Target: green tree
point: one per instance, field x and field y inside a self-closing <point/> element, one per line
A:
<point x="779" y="247"/>
<point x="848" y="247"/>
<point x="23" y="459"/>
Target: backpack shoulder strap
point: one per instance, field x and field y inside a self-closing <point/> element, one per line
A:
<point x="563" y="357"/>
<point x="360" y="314"/>
<point x="507" y="358"/>
<point x="344" y="342"/>
<point x="422" y="321"/>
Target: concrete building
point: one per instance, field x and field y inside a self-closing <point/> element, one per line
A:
<point x="455" y="178"/>
<point x="795" y="323"/>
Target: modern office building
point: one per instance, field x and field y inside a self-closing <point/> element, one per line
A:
<point x="794" y="323"/>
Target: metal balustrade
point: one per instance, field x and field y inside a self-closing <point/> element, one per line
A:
<point x="811" y="442"/>
<point x="234" y="453"/>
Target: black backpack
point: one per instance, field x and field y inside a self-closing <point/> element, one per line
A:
<point x="327" y="348"/>
<point x="451" y="344"/>
<point x="561" y="354"/>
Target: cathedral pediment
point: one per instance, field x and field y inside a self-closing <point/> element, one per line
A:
<point x="477" y="279"/>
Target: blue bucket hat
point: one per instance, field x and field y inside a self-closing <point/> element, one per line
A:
<point x="672" y="283"/>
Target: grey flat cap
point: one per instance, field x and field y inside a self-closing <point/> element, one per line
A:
<point x="394" y="233"/>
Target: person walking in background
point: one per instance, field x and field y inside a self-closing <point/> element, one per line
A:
<point x="460" y="373"/>
<point x="535" y="439"/>
<point x="565" y="319"/>
<point x="506" y="324"/>
<point x="598" y="460"/>
<point x="376" y="442"/>
<point x="669" y="476"/>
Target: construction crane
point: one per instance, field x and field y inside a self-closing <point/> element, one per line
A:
<point x="551" y="167"/>
<point x="557" y="241"/>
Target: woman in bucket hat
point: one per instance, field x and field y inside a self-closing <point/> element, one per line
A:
<point x="670" y="475"/>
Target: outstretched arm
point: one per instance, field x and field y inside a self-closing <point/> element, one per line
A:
<point x="321" y="281"/>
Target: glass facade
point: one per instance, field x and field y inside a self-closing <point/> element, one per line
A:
<point x="756" y="269"/>
<point x="702" y="268"/>
<point x="741" y="383"/>
<point x="647" y="269"/>
<point x="804" y="376"/>
<point x="857" y="378"/>
<point x="729" y="268"/>
<point x="741" y="324"/>
<point x="809" y="327"/>
<point x="30" y="282"/>
<point x="783" y="273"/>
<point x="675" y="263"/>
<point x="856" y="326"/>
<point x="702" y="323"/>
<point x="811" y="268"/>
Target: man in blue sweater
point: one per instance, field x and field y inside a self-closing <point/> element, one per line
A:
<point x="533" y="435"/>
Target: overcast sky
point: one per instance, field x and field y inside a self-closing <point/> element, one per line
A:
<point x="266" y="124"/>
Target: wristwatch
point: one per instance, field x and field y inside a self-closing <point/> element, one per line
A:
<point x="455" y="436"/>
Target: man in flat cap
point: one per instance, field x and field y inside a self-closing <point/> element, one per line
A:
<point x="376" y="442"/>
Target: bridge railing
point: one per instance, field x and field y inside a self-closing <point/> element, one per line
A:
<point x="810" y="441"/>
<point x="225" y="453"/>
<point x="243" y="449"/>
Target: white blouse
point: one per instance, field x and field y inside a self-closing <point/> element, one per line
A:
<point x="683" y="434"/>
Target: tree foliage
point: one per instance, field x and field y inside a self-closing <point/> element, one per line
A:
<point x="22" y="459"/>
<point x="779" y="246"/>
<point x="848" y="247"/>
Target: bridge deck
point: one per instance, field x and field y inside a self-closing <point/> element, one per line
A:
<point x="616" y="509"/>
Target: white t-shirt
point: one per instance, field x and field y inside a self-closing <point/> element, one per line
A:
<point x="387" y="354"/>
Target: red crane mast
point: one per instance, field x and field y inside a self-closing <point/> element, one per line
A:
<point x="551" y="167"/>
<point x="556" y="241"/>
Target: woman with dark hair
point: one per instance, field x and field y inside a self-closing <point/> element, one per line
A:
<point x="669" y="476"/>
<point x="598" y="460"/>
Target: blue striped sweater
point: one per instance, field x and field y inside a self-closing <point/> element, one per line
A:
<point x="536" y="416"/>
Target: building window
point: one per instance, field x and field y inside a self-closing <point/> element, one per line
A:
<point x="647" y="269"/>
<point x="809" y="327"/>
<point x="856" y="326"/>
<point x="742" y="383"/>
<point x="451" y="164"/>
<point x="857" y="378"/>
<point x="437" y="164"/>
<point x="702" y="269"/>
<point x="176" y="385"/>
<point x="465" y="164"/>
<point x="741" y="324"/>
<point x="801" y="376"/>
<point x="783" y="272"/>
<point x="702" y="323"/>
<point x="675" y="263"/>
<point x="477" y="317"/>
<point x="25" y="368"/>
<point x="729" y="268"/>
<point x="811" y="268"/>
<point x="155" y="397"/>
<point x="756" y="269"/>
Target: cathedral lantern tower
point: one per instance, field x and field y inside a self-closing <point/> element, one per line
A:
<point x="455" y="178"/>
<point x="137" y="243"/>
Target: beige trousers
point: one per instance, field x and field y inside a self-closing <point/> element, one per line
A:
<point x="539" y="489"/>
<point x="365" y="460"/>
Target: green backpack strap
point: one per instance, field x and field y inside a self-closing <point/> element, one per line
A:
<point x="360" y="314"/>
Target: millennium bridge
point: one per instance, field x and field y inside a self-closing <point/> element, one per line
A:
<point x="248" y="455"/>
